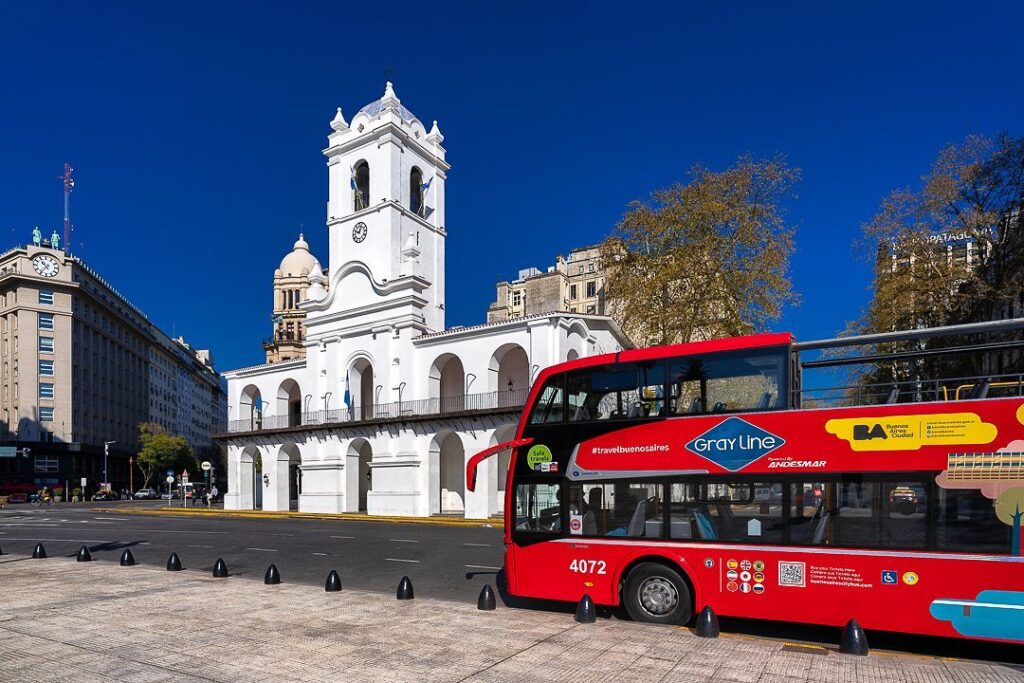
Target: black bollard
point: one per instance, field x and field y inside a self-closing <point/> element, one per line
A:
<point x="84" y="555"/>
<point x="486" y="599"/>
<point x="1" y="551"/>
<point x="272" y="577"/>
<point x="39" y="553"/>
<point x="853" y="641"/>
<point x="585" y="612"/>
<point x="174" y="563"/>
<point x="405" y="589"/>
<point x="220" y="570"/>
<point x="333" y="583"/>
<point x="707" y="623"/>
<point x="127" y="559"/>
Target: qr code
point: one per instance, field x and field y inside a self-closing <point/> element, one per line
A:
<point x="791" y="574"/>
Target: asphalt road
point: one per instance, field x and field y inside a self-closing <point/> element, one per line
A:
<point x="444" y="562"/>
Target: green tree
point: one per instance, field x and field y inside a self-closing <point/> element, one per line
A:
<point x="1010" y="511"/>
<point x="706" y="259"/>
<point x="159" y="451"/>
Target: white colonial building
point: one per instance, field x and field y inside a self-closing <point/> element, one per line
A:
<point x="387" y="405"/>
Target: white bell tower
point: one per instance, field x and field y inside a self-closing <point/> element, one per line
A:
<point x="386" y="213"/>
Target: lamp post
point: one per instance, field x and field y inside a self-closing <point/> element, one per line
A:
<point x="106" y="453"/>
<point x="327" y="398"/>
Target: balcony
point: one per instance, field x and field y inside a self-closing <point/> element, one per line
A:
<point x="493" y="401"/>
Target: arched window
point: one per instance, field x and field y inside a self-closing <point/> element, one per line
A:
<point x="361" y="185"/>
<point x="416" y="191"/>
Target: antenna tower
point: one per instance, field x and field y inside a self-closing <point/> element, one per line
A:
<point x="69" y="183"/>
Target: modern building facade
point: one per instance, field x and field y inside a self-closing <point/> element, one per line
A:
<point x="573" y="285"/>
<point x="82" y="366"/>
<point x="387" y="403"/>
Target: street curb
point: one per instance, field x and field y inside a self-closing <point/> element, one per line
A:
<point x="340" y="517"/>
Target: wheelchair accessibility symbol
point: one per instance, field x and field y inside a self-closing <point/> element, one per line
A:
<point x="890" y="577"/>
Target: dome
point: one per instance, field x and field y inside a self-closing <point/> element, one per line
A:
<point x="388" y="101"/>
<point x="300" y="261"/>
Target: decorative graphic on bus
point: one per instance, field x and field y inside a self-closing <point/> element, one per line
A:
<point x="734" y="443"/>
<point x="992" y="614"/>
<point x="910" y="432"/>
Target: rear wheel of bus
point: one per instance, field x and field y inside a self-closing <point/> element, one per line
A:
<point x="657" y="594"/>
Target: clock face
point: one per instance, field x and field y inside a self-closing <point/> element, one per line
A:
<point x="359" y="232"/>
<point x="45" y="265"/>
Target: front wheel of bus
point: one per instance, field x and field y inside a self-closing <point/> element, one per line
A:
<point x="657" y="594"/>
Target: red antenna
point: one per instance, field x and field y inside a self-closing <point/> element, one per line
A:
<point x="69" y="183"/>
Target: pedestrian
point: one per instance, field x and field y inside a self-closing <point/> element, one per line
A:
<point x="213" y="494"/>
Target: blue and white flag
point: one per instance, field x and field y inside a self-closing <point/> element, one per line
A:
<point x="348" y="396"/>
<point x="426" y="185"/>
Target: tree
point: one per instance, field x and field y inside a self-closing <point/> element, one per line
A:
<point x="1010" y="511"/>
<point x="160" y="451"/>
<point x="706" y="259"/>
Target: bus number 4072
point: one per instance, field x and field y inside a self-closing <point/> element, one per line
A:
<point x="588" y="566"/>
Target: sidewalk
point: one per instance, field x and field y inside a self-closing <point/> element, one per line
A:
<point x="266" y="514"/>
<point x="101" y="622"/>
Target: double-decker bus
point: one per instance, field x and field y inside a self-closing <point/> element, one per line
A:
<point x="669" y="479"/>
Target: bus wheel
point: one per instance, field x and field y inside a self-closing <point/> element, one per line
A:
<point x="657" y="594"/>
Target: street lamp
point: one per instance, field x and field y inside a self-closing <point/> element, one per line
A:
<point x="327" y="398"/>
<point x="106" y="453"/>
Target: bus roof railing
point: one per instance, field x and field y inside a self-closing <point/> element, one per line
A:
<point x="1009" y="325"/>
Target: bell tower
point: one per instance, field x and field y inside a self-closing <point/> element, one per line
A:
<point x="386" y="212"/>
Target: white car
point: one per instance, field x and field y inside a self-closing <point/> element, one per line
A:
<point x="146" y="494"/>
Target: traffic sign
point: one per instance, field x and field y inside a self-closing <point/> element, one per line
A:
<point x="184" y="476"/>
<point x="170" y="479"/>
<point x="206" y="466"/>
<point x="169" y="473"/>
<point x="84" y="481"/>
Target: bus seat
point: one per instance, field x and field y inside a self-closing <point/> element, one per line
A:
<point x="696" y="406"/>
<point x="894" y="395"/>
<point x="589" y="523"/>
<point x="636" y="410"/>
<point x="981" y="390"/>
<point x="766" y="401"/>
<point x="819" y="532"/>
<point x="719" y="407"/>
<point x="705" y="528"/>
<point x="636" y="523"/>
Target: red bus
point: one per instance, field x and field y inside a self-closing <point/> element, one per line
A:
<point x="668" y="479"/>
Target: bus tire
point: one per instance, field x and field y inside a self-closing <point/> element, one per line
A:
<point x="657" y="594"/>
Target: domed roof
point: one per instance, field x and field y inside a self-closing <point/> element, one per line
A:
<point x="389" y="100"/>
<point x="299" y="261"/>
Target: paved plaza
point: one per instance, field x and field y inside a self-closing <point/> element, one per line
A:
<point x="60" y="619"/>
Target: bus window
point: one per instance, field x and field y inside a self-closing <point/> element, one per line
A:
<point x="549" y="405"/>
<point x="627" y="390"/>
<point x="538" y="507"/>
<point x="967" y="522"/>
<point x="905" y="524"/>
<point x="630" y="509"/>
<point x="747" y="512"/>
<point x="728" y="383"/>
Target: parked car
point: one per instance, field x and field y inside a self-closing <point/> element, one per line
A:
<point x="146" y="494"/>
<point x="173" y="495"/>
<point x="105" y="495"/>
<point x="17" y="498"/>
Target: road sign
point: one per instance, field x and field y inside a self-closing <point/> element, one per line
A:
<point x="8" y="451"/>
<point x="206" y="466"/>
<point x="169" y="473"/>
<point x="184" y="476"/>
<point x="84" y="480"/>
<point x="170" y="479"/>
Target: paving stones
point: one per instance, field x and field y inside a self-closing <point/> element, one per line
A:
<point x="102" y="624"/>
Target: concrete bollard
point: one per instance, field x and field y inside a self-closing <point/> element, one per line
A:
<point x="127" y="559"/>
<point x="405" y="591"/>
<point x="333" y="583"/>
<point x="174" y="563"/>
<point x="220" y="570"/>
<point x="707" y="623"/>
<point x="486" y="600"/>
<point x="84" y="555"/>
<point x="585" y="611"/>
<point x="272" y="577"/>
<point x="39" y="553"/>
<point x="853" y="641"/>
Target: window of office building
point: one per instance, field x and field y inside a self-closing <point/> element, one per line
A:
<point x="45" y="414"/>
<point x="592" y="288"/>
<point x="46" y="296"/>
<point x="573" y="292"/>
<point x="45" y="390"/>
<point x="47" y="464"/>
<point x="46" y="321"/>
<point x="46" y="368"/>
<point x="46" y="344"/>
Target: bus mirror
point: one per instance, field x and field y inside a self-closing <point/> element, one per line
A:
<point x="484" y="454"/>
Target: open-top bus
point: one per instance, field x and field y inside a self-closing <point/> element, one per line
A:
<point x="668" y="479"/>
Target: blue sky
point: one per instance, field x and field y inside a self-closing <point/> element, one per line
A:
<point x="196" y="130"/>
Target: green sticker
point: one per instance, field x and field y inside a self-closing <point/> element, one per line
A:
<point x="537" y="455"/>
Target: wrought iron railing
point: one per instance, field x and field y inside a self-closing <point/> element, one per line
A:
<point x="913" y="391"/>
<point x="446" y="405"/>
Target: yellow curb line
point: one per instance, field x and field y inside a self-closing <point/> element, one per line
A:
<point x="242" y="514"/>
